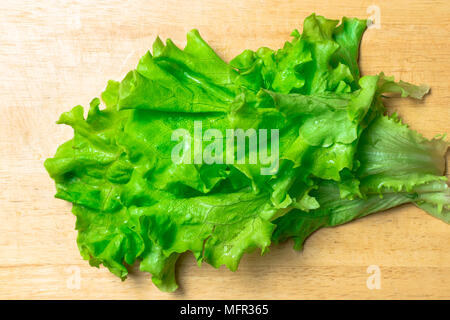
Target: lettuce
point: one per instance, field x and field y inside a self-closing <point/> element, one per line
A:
<point x="332" y="155"/>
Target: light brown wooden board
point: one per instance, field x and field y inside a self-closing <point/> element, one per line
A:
<point x="57" y="54"/>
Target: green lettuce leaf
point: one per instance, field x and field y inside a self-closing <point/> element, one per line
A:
<point x="149" y="175"/>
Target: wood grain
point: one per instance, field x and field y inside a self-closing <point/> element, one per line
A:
<point x="56" y="54"/>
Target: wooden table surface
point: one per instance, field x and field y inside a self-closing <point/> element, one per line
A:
<point x="57" y="54"/>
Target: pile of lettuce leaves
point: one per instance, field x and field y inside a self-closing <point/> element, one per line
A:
<point x="341" y="157"/>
